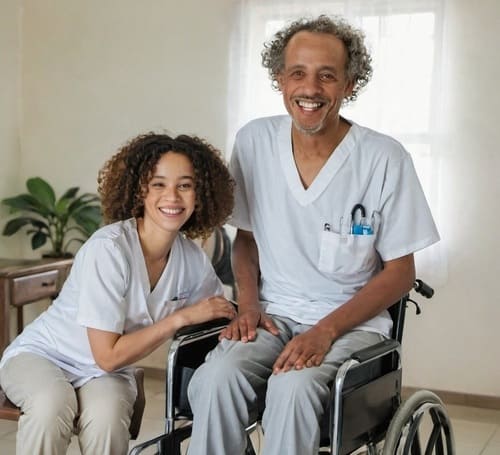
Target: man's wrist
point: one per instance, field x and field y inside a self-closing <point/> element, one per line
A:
<point x="327" y="329"/>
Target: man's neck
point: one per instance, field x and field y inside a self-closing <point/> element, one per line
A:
<point x="312" y="151"/>
<point x="319" y="145"/>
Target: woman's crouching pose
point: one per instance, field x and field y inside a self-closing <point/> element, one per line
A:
<point x="132" y="285"/>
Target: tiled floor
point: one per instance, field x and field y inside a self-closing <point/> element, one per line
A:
<point x="477" y="431"/>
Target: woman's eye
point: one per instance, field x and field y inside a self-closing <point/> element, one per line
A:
<point x="185" y="186"/>
<point x="157" y="185"/>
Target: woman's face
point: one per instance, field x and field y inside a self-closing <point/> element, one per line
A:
<point x="171" y="195"/>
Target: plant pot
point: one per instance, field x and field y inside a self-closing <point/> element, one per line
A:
<point x="54" y="255"/>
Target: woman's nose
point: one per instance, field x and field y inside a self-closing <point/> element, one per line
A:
<point x="171" y="193"/>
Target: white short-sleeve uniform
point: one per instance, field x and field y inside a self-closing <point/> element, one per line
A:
<point x="108" y="289"/>
<point x="308" y="271"/>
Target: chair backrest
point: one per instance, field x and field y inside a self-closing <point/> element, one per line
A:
<point x="218" y="249"/>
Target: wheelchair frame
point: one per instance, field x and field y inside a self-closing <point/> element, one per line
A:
<point x="369" y="380"/>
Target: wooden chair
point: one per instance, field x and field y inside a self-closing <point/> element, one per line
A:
<point x="9" y="411"/>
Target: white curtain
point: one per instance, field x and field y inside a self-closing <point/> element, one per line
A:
<point x="405" y="38"/>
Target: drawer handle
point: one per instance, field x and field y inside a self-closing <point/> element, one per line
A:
<point x="50" y="284"/>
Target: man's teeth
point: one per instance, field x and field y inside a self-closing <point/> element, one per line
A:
<point x="309" y="104"/>
<point x="171" y="211"/>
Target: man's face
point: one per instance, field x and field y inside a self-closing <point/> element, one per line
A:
<point x="313" y="81"/>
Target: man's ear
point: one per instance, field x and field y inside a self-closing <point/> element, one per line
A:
<point x="278" y="82"/>
<point x="349" y="88"/>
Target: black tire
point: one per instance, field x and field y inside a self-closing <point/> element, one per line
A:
<point x="403" y="436"/>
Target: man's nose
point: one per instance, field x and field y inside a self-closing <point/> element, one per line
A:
<point x="312" y="85"/>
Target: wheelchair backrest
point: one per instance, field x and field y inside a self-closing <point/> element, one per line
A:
<point x="397" y="312"/>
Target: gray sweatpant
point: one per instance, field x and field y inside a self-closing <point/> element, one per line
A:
<point x="50" y="404"/>
<point x="227" y="387"/>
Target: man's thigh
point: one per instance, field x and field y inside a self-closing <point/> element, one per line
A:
<point x="320" y="378"/>
<point x="263" y="351"/>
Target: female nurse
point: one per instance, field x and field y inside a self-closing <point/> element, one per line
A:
<point x="132" y="285"/>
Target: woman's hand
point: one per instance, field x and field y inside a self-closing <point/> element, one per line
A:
<point x="206" y="310"/>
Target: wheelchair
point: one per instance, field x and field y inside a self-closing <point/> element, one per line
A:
<point x="366" y="410"/>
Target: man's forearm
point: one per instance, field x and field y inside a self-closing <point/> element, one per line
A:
<point x="383" y="290"/>
<point x="246" y="270"/>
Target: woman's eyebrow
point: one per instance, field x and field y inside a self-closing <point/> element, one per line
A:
<point x="159" y="176"/>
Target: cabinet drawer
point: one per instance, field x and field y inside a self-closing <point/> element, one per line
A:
<point x="26" y="289"/>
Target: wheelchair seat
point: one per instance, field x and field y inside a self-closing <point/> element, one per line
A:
<point x="365" y="409"/>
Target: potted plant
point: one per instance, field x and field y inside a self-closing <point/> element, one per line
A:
<point x="62" y="221"/>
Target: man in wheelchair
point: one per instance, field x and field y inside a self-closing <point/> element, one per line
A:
<point x="326" y="233"/>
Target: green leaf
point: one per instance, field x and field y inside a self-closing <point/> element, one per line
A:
<point x="83" y="200"/>
<point x="27" y="203"/>
<point x="90" y="212"/>
<point x="17" y="223"/>
<point x="61" y="207"/>
<point x="14" y="225"/>
<point x="42" y="191"/>
<point x="89" y="219"/>
<point x="71" y="193"/>
<point x="39" y="239"/>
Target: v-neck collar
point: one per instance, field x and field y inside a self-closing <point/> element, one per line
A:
<point x="144" y="270"/>
<point x="327" y="172"/>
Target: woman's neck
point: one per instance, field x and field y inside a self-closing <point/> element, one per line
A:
<point x="155" y="243"/>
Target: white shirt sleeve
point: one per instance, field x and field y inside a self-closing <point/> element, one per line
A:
<point x="103" y="274"/>
<point x="240" y="217"/>
<point x="406" y="220"/>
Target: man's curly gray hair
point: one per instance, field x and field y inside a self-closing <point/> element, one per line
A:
<point x="358" y="65"/>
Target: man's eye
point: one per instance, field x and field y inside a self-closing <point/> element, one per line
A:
<point x="297" y="74"/>
<point x="327" y="77"/>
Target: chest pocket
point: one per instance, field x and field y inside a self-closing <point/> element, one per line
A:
<point x="346" y="254"/>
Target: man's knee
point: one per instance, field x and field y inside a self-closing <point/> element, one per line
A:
<point x="298" y="388"/>
<point x="214" y="373"/>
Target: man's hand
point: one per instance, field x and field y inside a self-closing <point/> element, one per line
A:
<point x="244" y="326"/>
<point x="305" y="350"/>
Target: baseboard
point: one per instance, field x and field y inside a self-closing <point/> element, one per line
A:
<point x="462" y="399"/>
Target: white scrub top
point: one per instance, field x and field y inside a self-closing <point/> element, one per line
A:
<point x="108" y="289"/>
<point x="310" y="262"/>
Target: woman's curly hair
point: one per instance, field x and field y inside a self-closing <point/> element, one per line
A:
<point x="358" y="66"/>
<point x="123" y="181"/>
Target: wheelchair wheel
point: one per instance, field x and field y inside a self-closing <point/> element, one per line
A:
<point x="424" y="410"/>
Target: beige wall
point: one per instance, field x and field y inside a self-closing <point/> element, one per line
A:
<point x="97" y="72"/>
<point x="10" y="163"/>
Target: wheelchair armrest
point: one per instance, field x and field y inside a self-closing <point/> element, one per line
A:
<point x="375" y="351"/>
<point x="204" y="326"/>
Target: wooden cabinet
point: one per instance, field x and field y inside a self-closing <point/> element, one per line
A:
<point x="25" y="281"/>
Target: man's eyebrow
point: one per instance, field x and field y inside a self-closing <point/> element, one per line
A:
<point x="299" y="66"/>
